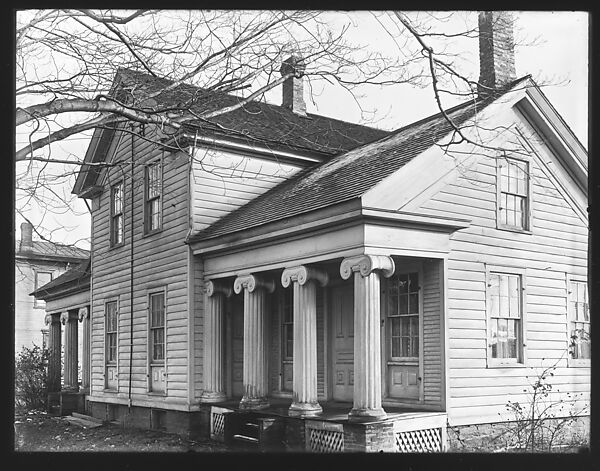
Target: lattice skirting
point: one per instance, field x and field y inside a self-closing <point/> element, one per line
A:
<point x="325" y="441"/>
<point x="217" y="423"/>
<point x="419" y="441"/>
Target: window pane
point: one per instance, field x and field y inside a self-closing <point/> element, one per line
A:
<point x="403" y="304"/>
<point x="395" y="326"/>
<point x="503" y="298"/>
<point x="403" y="284"/>
<point x="395" y="346"/>
<point x="504" y="177"/>
<point x="513" y="293"/>
<point x="413" y="303"/>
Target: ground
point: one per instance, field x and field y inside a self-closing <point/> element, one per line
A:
<point x="38" y="431"/>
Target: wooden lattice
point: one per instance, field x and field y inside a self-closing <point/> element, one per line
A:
<point x="217" y="425"/>
<point x="325" y="441"/>
<point x="419" y="441"/>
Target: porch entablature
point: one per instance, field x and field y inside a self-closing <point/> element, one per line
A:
<point x="358" y="231"/>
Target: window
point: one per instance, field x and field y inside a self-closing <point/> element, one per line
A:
<point x="505" y="318"/>
<point x="111" y="330"/>
<point x="152" y="197"/>
<point x="286" y="305"/>
<point x="579" y="321"/>
<point x="513" y="194"/>
<point x="403" y="315"/>
<point x="157" y="327"/>
<point x="41" y="278"/>
<point x="116" y="214"/>
<point x="45" y="333"/>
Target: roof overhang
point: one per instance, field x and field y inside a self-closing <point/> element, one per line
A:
<point x="337" y="231"/>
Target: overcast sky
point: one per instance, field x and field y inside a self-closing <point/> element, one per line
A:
<point x="560" y="57"/>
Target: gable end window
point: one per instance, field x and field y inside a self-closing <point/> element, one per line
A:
<point x="506" y="317"/>
<point x="116" y="214"/>
<point x="513" y="194"/>
<point x="579" y="323"/>
<point x="152" y="197"/>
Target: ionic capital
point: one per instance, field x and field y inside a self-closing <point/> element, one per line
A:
<point x="67" y="316"/>
<point x="213" y="287"/>
<point x="52" y="318"/>
<point x="302" y="274"/>
<point x="365" y="264"/>
<point x="83" y="313"/>
<point x="252" y="282"/>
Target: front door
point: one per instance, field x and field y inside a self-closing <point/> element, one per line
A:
<point x="342" y="313"/>
<point x="402" y="311"/>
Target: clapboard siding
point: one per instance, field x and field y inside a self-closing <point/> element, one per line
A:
<point x="223" y="181"/>
<point x="557" y="246"/>
<point x="160" y="262"/>
<point x="432" y="334"/>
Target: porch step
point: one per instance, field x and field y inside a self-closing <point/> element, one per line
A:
<point x="87" y="417"/>
<point x="246" y="439"/>
<point x="82" y="422"/>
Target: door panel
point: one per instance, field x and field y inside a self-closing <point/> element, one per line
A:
<point x="403" y="381"/>
<point x="342" y="311"/>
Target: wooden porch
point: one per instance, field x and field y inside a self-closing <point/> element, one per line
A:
<point x="403" y="430"/>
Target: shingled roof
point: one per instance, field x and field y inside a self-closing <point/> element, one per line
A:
<point x="75" y="279"/>
<point x="256" y="122"/>
<point x="345" y="176"/>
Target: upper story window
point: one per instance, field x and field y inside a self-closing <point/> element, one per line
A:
<point x="157" y="327"/>
<point x="41" y="278"/>
<point x="579" y="321"/>
<point x="513" y="198"/>
<point x="116" y="214"/>
<point x="111" y="331"/>
<point x="505" y="318"/>
<point x="152" y="197"/>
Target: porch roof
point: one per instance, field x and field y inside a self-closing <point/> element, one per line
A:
<point x="74" y="280"/>
<point x="347" y="176"/>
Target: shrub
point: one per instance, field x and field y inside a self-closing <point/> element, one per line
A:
<point x="31" y="391"/>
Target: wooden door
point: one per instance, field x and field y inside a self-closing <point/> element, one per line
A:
<point x="237" y="346"/>
<point x="403" y="331"/>
<point x="342" y="314"/>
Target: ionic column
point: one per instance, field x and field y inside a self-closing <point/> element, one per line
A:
<point x="54" y="344"/>
<point x="214" y="306"/>
<point x="69" y="320"/>
<point x="305" y="401"/>
<point x="255" y="354"/>
<point x="84" y="318"/>
<point x="367" y="354"/>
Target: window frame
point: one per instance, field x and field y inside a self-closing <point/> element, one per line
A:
<point x="521" y="359"/>
<point x="158" y="162"/>
<point x="107" y="361"/>
<point x="114" y="215"/>
<point x="586" y="362"/>
<point x="149" y="295"/>
<point x="40" y="303"/>
<point x="505" y="161"/>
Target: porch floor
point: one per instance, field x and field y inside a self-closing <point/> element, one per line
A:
<point x="333" y="411"/>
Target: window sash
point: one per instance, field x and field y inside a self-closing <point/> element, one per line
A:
<point x="157" y="326"/>
<point x="116" y="207"/>
<point x="403" y="312"/>
<point x="580" y="339"/>
<point x="514" y="194"/>
<point x="505" y="316"/>
<point x="111" y="330"/>
<point x="152" y="195"/>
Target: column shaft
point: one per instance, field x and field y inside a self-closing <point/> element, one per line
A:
<point x="367" y="353"/>
<point x="305" y="350"/>
<point x="214" y="386"/>
<point x="71" y="352"/>
<point x="54" y="347"/>
<point x="255" y="354"/>
<point x="84" y="317"/>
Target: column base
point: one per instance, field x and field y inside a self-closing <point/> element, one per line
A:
<point x="304" y="409"/>
<point x="254" y="403"/>
<point x="366" y="415"/>
<point x="211" y="397"/>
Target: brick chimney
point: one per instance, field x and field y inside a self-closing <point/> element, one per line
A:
<point x="496" y="51"/>
<point x="293" y="87"/>
<point x="26" y="233"/>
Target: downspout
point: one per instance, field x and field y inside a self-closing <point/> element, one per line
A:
<point x="131" y="274"/>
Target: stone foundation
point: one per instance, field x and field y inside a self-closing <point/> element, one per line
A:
<point x="500" y="437"/>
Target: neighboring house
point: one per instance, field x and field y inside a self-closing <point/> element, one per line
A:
<point x="36" y="264"/>
<point x="343" y="287"/>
